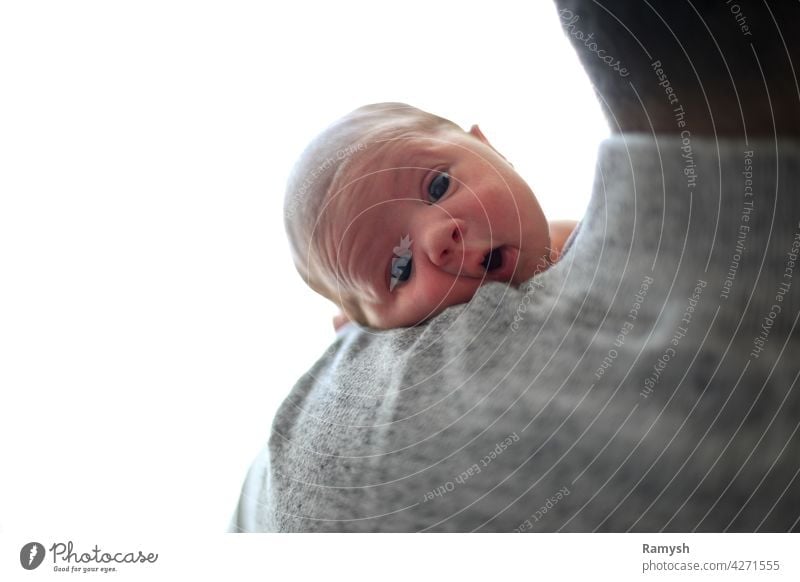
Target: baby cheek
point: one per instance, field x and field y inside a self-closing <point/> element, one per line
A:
<point x="439" y="293"/>
<point x="431" y="299"/>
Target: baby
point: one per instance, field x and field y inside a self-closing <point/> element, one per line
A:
<point x="395" y="214"/>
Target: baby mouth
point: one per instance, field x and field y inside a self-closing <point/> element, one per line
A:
<point x="493" y="259"/>
<point x="500" y="263"/>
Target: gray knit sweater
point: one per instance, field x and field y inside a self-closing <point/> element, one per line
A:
<point x="646" y="382"/>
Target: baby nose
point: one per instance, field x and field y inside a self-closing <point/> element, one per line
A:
<point x="445" y="245"/>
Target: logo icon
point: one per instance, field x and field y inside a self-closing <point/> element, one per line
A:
<point x="31" y="555"/>
<point x="400" y="261"/>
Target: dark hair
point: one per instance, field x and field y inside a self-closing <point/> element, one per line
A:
<point x="707" y="50"/>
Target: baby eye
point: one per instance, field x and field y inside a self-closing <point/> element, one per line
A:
<point x="438" y="186"/>
<point x="401" y="271"/>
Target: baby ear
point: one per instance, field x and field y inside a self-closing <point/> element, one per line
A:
<point x="475" y="131"/>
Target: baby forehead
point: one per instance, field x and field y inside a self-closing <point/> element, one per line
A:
<point x="390" y="167"/>
<point x="362" y="196"/>
<point x="396" y="153"/>
<point x="384" y="167"/>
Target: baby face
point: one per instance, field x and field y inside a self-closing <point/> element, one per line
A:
<point x="419" y="224"/>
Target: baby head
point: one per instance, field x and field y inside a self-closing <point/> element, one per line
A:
<point x="395" y="214"/>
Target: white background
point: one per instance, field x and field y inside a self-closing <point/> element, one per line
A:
<point x="150" y="318"/>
